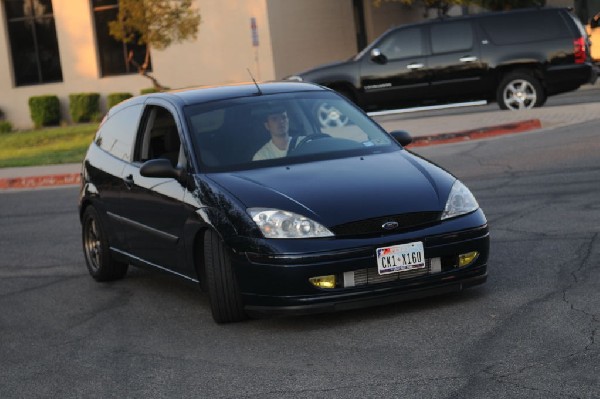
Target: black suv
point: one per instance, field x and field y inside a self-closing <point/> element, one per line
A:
<point x="516" y="58"/>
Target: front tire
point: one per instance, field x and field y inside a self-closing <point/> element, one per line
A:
<point x="223" y="291"/>
<point x="520" y="90"/>
<point x="100" y="263"/>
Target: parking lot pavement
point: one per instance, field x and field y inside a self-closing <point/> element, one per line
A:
<point x="425" y="129"/>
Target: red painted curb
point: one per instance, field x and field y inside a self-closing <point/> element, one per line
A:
<point x="480" y="133"/>
<point x="40" y="181"/>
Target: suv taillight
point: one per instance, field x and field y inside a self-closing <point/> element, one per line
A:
<point x="579" y="50"/>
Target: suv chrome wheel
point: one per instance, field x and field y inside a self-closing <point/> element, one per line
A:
<point x="520" y="90"/>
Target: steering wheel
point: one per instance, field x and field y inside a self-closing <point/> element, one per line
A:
<point x="330" y="116"/>
<point x="307" y="139"/>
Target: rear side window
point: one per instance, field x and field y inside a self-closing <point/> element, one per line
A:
<point x="117" y="133"/>
<point x="450" y="37"/>
<point x="524" y="27"/>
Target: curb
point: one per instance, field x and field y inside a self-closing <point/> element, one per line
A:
<point x="66" y="179"/>
<point x="70" y="179"/>
<point x="474" y="134"/>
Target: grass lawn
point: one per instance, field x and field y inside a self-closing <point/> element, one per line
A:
<point x="46" y="146"/>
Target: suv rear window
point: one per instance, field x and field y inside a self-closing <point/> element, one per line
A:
<point x="525" y="27"/>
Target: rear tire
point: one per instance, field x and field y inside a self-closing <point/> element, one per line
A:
<point x="223" y="291"/>
<point x="520" y="90"/>
<point x="100" y="263"/>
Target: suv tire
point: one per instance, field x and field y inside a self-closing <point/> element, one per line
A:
<point x="520" y="90"/>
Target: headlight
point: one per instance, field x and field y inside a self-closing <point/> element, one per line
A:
<point x="295" y="78"/>
<point x="275" y="223"/>
<point x="460" y="201"/>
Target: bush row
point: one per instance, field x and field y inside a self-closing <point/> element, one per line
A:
<point x="83" y="107"/>
<point x="5" y="126"/>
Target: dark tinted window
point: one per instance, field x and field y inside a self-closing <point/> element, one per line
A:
<point x="117" y="134"/>
<point x="524" y="27"/>
<point x="159" y="138"/>
<point x="402" y="44"/>
<point x="112" y="53"/>
<point x="33" y="42"/>
<point x="450" y="37"/>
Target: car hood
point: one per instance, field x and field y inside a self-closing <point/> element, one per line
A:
<point x="339" y="191"/>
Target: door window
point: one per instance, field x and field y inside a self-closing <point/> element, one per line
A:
<point x="159" y="137"/>
<point x="402" y="44"/>
<point x="451" y="37"/>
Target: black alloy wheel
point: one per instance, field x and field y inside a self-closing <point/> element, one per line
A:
<point x="100" y="264"/>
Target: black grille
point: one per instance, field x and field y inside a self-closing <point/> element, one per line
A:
<point x="407" y="221"/>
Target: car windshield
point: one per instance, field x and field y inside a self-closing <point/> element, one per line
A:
<point x="279" y="129"/>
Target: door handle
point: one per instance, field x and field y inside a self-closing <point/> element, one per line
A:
<point x="128" y="180"/>
<point x="468" y="58"/>
<point x="415" y="66"/>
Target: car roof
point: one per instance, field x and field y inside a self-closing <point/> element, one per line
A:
<point x="216" y="93"/>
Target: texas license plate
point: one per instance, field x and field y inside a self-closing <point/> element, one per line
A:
<point x="400" y="258"/>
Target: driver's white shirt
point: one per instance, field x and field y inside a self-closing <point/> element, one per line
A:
<point x="270" y="151"/>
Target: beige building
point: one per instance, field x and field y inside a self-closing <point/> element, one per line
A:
<point x="61" y="47"/>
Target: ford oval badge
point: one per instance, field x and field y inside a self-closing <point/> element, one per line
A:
<point x="390" y="225"/>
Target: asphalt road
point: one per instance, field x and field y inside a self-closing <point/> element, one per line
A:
<point x="530" y="332"/>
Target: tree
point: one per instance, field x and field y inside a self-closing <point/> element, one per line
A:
<point x="156" y="24"/>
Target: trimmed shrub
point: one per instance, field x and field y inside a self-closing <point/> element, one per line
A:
<point x="5" y="127"/>
<point x="148" y="90"/>
<point x="84" y="107"/>
<point x="115" y="98"/>
<point x="44" y="110"/>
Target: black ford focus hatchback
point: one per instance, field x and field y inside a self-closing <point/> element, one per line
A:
<point x="278" y="198"/>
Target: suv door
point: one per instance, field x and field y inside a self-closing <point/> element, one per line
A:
<point x="455" y="64"/>
<point x="153" y="207"/>
<point x="394" y="71"/>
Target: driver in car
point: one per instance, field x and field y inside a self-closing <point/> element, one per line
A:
<point x="278" y="125"/>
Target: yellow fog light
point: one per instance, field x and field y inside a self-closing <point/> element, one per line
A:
<point x="467" y="259"/>
<point x="323" y="281"/>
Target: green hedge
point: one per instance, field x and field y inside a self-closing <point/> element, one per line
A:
<point x="115" y="98"/>
<point x="45" y="110"/>
<point x="84" y="107"/>
<point x="5" y="127"/>
<point x="148" y="90"/>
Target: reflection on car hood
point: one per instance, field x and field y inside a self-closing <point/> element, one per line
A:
<point x="338" y="191"/>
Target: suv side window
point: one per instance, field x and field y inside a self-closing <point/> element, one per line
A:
<point x="117" y="134"/>
<point x="159" y="137"/>
<point x="525" y="27"/>
<point x="451" y="37"/>
<point x="402" y="44"/>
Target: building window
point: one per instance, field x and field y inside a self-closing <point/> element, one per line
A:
<point x="33" y="43"/>
<point x="113" y="54"/>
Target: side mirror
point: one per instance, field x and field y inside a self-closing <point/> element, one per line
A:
<point x="377" y="56"/>
<point x="402" y="137"/>
<point x="161" y="168"/>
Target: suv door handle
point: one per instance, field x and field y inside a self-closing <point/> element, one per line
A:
<point x="128" y="180"/>
<point x="468" y="58"/>
<point x="415" y="66"/>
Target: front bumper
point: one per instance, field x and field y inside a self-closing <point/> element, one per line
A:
<point x="279" y="284"/>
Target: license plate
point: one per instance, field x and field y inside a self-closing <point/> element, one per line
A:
<point x="400" y="258"/>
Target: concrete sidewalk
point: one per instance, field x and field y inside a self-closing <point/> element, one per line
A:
<point x="425" y="129"/>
